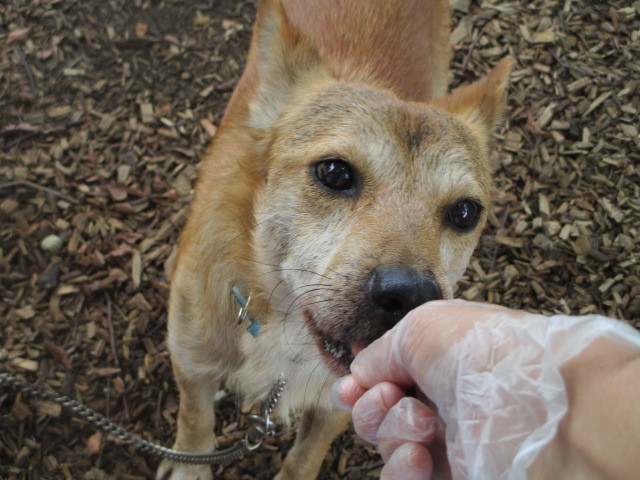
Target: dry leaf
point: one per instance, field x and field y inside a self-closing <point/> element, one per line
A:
<point x="94" y="443"/>
<point x="25" y="312"/>
<point x="136" y="268"/>
<point x="117" y="191"/>
<point x="201" y="19"/>
<point x="18" y="36"/>
<point x="548" y="36"/>
<point x="25" y="364"/>
<point x="209" y="127"/>
<point x="58" y="354"/>
<point x="141" y="29"/>
<point x="52" y="409"/>
<point x="146" y="111"/>
<point x="104" y="372"/>
<point x="59" y="111"/>
<point x="231" y="27"/>
<point x="115" y="275"/>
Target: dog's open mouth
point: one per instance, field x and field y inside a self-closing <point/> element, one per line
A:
<point x="335" y="353"/>
<point x="338" y="350"/>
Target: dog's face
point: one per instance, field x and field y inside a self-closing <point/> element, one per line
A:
<point x="369" y="209"/>
<point x="371" y="205"/>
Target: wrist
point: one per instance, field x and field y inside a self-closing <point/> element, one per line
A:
<point x="597" y="437"/>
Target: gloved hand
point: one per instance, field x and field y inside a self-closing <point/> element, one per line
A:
<point x="490" y="376"/>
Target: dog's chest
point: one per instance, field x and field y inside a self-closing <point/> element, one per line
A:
<point x="283" y="348"/>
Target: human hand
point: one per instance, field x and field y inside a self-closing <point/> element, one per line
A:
<point x="492" y="375"/>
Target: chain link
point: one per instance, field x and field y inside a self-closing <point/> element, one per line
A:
<point x="261" y="426"/>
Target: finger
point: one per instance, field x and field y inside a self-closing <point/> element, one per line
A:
<point x="345" y="392"/>
<point x="438" y="452"/>
<point x="411" y="461"/>
<point x="409" y="420"/>
<point x="371" y="409"/>
<point x="426" y="333"/>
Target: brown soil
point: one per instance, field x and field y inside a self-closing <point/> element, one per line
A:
<point x="105" y="108"/>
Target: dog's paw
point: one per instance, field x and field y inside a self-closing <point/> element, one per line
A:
<point x="169" y="470"/>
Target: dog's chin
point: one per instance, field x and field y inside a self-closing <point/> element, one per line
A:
<point x="337" y="355"/>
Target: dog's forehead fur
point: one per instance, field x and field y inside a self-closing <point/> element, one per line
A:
<point x="386" y="140"/>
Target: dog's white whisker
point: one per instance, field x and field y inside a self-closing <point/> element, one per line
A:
<point x="295" y="306"/>
<point x="306" y="387"/>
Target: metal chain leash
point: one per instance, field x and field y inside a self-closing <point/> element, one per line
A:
<point x="261" y="425"/>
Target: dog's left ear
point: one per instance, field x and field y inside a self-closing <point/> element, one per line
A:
<point x="285" y="58"/>
<point x="482" y="103"/>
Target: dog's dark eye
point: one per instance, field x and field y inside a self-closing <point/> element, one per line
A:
<point x="464" y="215"/>
<point x="335" y="174"/>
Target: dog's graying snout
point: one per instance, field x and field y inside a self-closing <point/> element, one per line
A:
<point x="396" y="290"/>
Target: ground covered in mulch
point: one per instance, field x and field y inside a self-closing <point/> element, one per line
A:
<point x="105" y="108"/>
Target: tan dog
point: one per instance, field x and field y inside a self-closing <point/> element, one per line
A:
<point x="343" y="189"/>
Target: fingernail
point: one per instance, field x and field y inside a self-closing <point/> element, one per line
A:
<point x="354" y="367"/>
<point x="336" y="397"/>
<point x="356" y="349"/>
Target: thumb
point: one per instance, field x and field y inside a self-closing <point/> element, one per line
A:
<point x="404" y="354"/>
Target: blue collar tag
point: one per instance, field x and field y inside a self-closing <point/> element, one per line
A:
<point x="243" y="313"/>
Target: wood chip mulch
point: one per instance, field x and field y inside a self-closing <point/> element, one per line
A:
<point x="105" y="109"/>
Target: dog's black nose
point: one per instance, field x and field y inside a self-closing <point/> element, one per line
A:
<point x="397" y="290"/>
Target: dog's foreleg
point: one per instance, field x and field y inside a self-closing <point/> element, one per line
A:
<point x="196" y="420"/>
<point x="317" y="430"/>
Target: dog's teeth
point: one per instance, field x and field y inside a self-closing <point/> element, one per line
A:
<point x="334" y="348"/>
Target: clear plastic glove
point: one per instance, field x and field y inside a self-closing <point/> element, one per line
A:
<point x="492" y="375"/>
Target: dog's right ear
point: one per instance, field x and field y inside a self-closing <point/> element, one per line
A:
<point x="285" y="58"/>
<point x="482" y="103"/>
